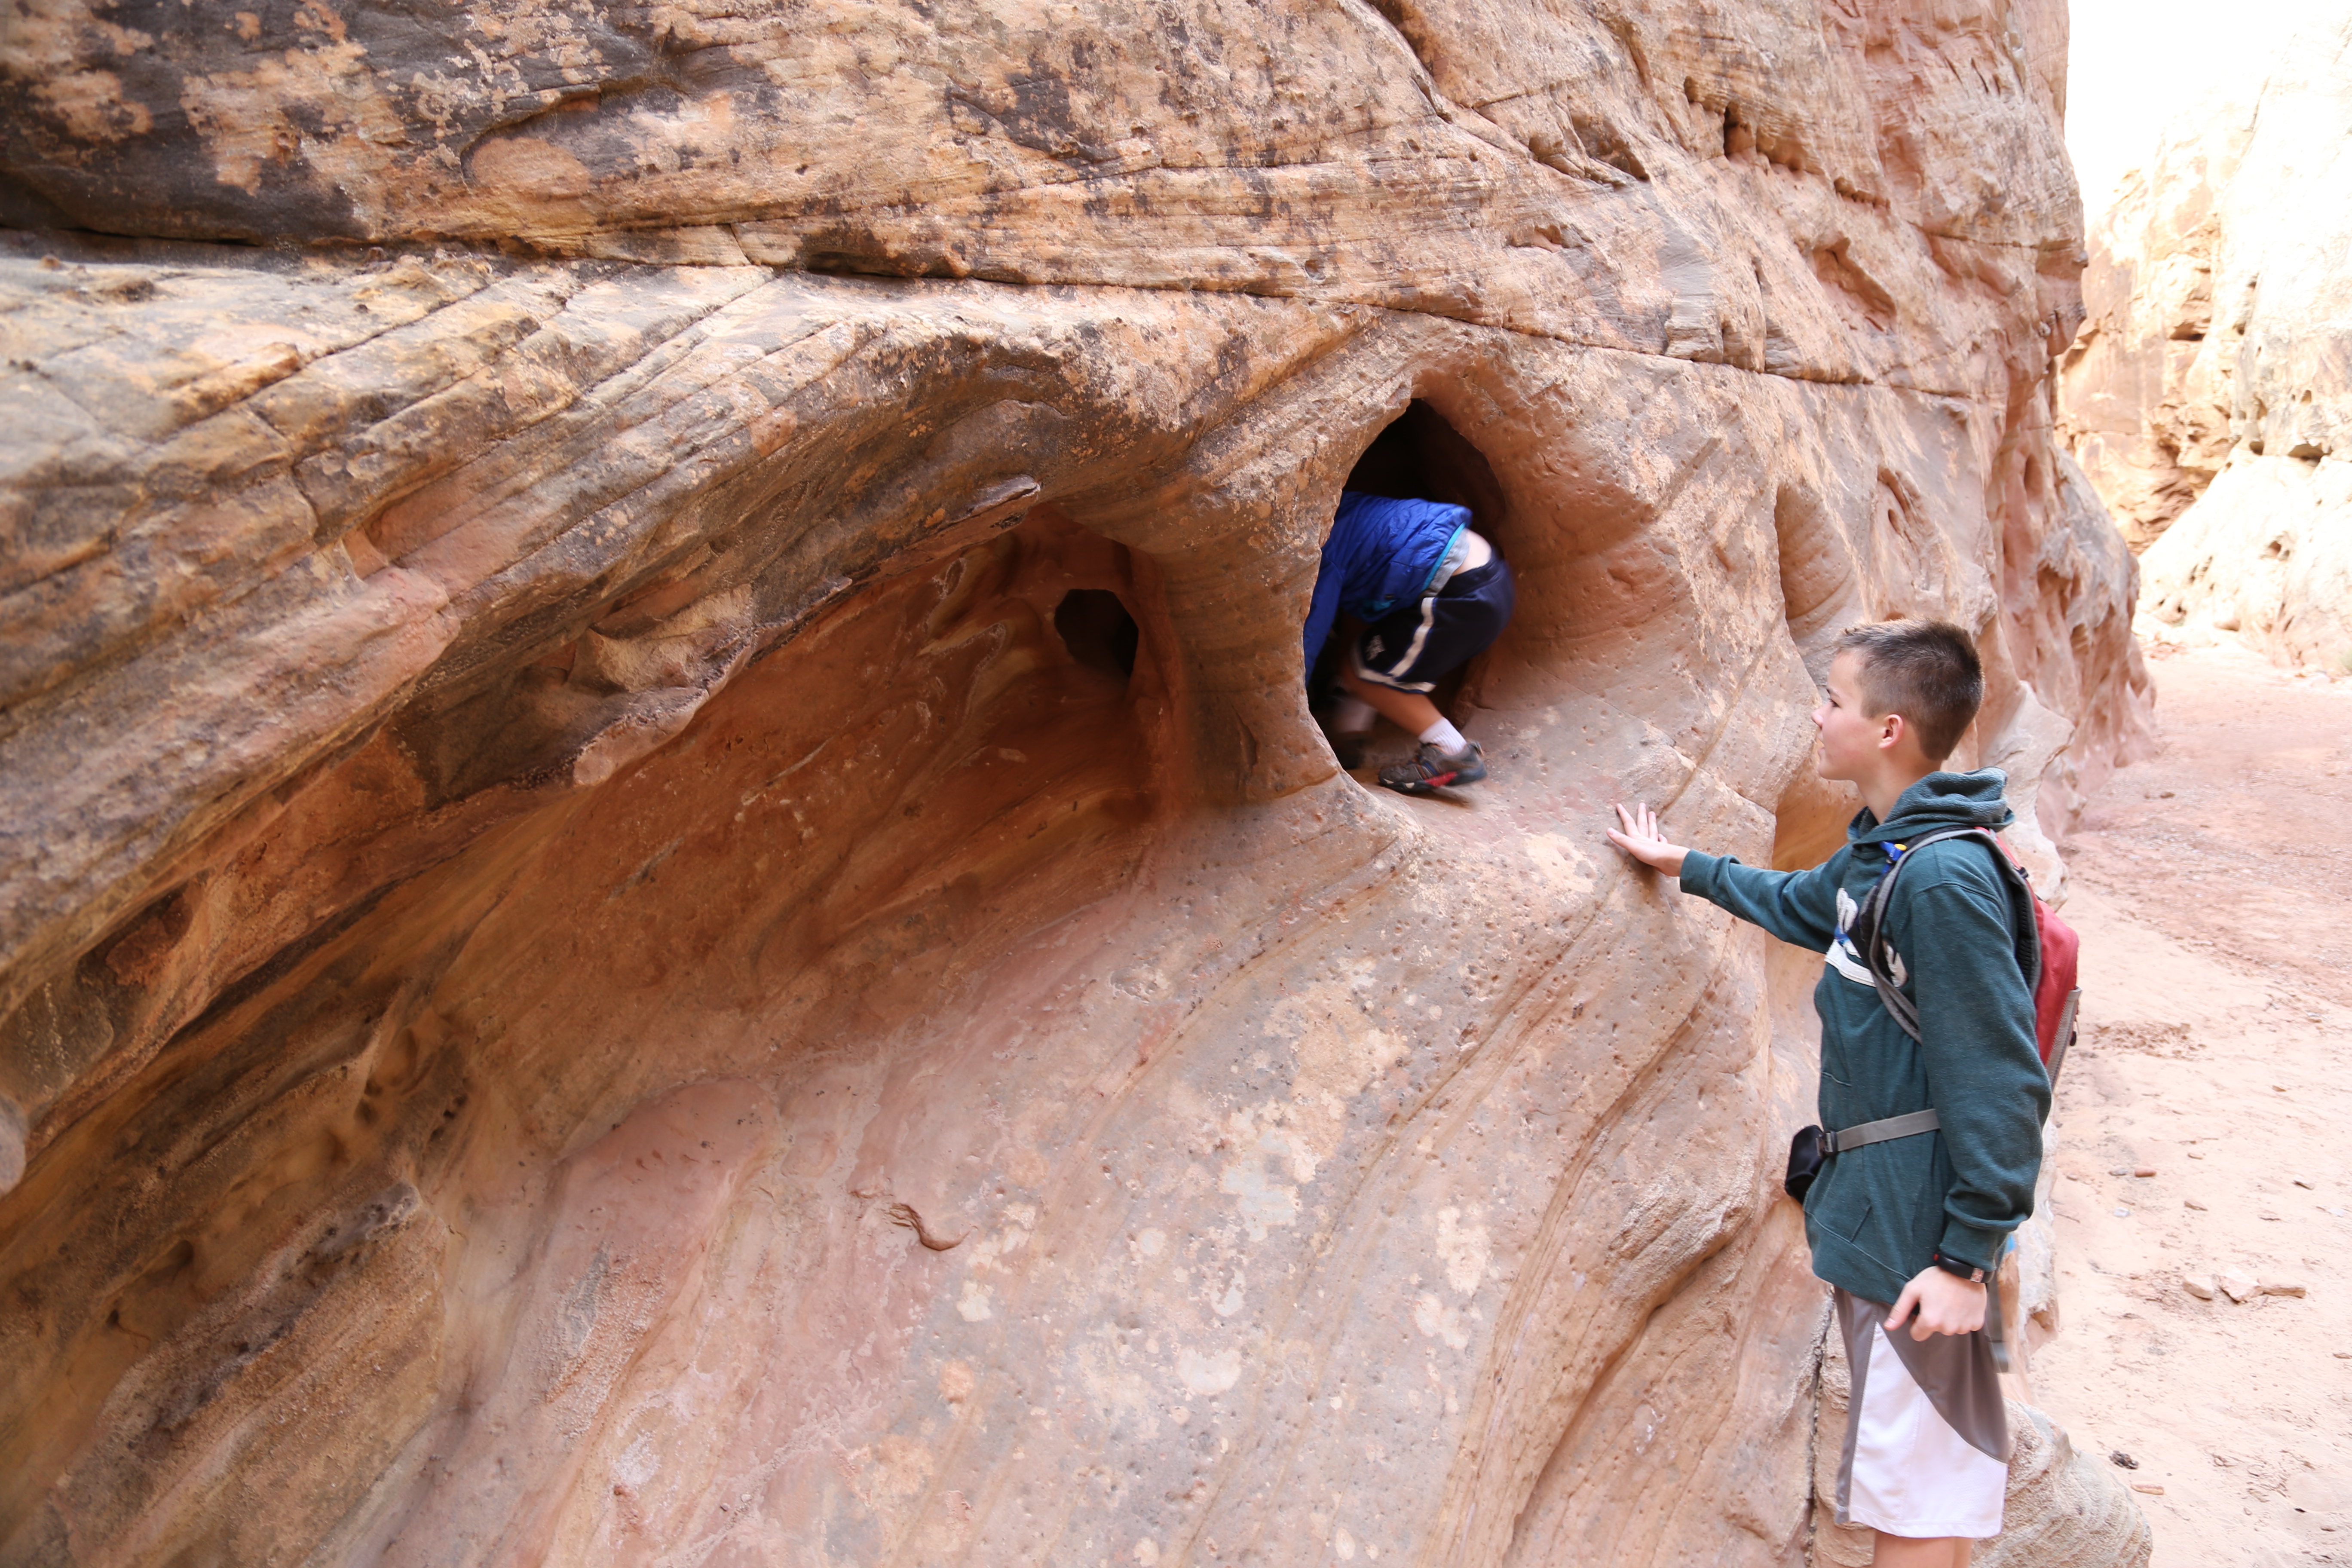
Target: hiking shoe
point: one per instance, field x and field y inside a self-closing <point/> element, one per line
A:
<point x="1432" y="769"/>
<point x="1349" y="750"/>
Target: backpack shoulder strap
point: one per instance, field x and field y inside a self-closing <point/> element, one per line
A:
<point x="2024" y="905"/>
<point x="1871" y="918"/>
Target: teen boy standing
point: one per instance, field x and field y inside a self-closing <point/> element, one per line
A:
<point x="1907" y="1229"/>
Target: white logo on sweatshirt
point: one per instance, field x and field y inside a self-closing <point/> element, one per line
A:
<point x="1845" y="959"/>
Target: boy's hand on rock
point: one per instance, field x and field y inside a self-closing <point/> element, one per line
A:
<point x="1641" y="840"/>
<point x="1944" y="1303"/>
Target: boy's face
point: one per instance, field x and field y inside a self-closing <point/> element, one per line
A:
<point x="1853" y="741"/>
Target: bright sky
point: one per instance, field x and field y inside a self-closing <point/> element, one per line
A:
<point x="2133" y="63"/>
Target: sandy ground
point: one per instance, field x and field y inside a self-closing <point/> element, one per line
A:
<point x="2212" y="886"/>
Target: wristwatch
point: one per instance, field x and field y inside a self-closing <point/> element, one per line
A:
<point x="1968" y="1272"/>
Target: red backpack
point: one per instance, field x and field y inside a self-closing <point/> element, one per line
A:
<point x="2052" y="974"/>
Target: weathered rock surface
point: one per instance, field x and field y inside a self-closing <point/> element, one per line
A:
<point x="656" y="906"/>
<point x="2209" y="396"/>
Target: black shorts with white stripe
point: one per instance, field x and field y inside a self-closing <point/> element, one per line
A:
<point x="1421" y="641"/>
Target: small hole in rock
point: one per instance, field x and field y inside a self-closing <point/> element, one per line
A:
<point x="1097" y="629"/>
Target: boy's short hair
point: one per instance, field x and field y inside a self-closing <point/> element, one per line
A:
<point x="1926" y="670"/>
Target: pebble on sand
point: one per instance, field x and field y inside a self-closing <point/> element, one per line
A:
<point x="2240" y="1286"/>
<point x="2198" y="1285"/>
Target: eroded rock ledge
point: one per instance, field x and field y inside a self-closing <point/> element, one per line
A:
<point x="659" y="905"/>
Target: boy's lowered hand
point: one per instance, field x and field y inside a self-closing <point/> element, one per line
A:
<point x="1641" y="840"/>
<point x="1944" y="1304"/>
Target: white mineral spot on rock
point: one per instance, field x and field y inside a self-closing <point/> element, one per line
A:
<point x="1209" y="1374"/>
<point x="1436" y="1319"/>
<point x="973" y="1307"/>
<point x="1464" y="1247"/>
<point x="638" y="1461"/>
<point x="1265" y="1200"/>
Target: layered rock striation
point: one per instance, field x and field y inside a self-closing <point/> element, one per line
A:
<point x="667" y="891"/>
<point x="2209" y="394"/>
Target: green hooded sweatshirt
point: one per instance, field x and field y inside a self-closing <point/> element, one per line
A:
<point x="1964" y="938"/>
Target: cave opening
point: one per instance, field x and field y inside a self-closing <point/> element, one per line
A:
<point x="1420" y="456"/>
<point x="1095" y="628"/>
<point x="1009" y="739"/>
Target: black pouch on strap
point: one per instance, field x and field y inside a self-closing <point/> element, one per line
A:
<point x="1810" y="1146"/>
<point x="1805" y="1157"/>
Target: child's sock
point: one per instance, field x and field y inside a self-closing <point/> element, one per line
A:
<point x="1353" y="716"/>
<point x="1444" y="737"/>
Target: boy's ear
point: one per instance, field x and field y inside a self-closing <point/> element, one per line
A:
<point x="1891" y="727"/>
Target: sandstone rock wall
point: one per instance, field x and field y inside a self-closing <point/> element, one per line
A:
<point x="2209" y="396"/>
<point x="613" y="950"/>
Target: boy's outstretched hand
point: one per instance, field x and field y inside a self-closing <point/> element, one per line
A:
<point x="1641" y="840"/>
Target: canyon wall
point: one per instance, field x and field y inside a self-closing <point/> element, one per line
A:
<point x="667" y="894"/>
<point x="2209" y="394"/>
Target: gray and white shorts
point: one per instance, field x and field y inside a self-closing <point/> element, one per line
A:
<point x="1926" y="1433"/>
<point x="1422" y="640"/>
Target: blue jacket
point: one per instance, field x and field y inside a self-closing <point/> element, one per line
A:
<point x="1381" y="553"/>
<point x="1965" y="935"/>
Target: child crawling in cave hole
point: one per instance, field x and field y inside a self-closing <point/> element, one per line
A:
<point x="1423" y="593"/>
<point x="1938" y="1135"/>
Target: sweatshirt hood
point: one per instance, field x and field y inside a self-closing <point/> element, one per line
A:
<point x="1940" y="800"/>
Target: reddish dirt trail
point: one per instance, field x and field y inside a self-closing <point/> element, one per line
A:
<point x="2212" y="885"/>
